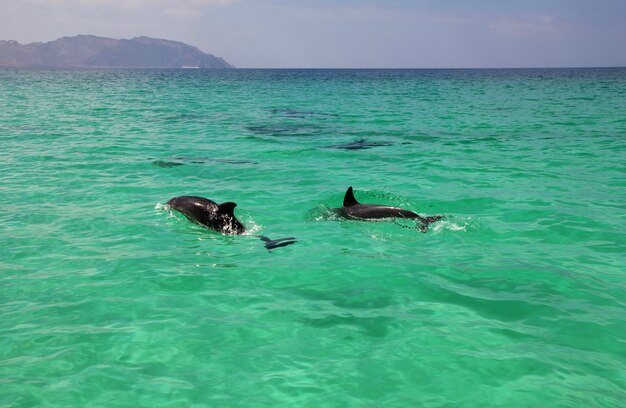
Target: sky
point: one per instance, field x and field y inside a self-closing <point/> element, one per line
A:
<point x="347" y="33"/>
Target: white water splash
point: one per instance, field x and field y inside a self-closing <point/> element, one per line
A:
<point x="446" y="225"/>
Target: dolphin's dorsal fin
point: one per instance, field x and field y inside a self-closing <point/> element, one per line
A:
<point x="349" y="200"/>
<point x="227" y="208"/>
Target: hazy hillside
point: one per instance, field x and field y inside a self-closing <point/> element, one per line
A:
<point x="88" y="51"/>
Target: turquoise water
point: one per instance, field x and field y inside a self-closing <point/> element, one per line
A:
<point x="516" y="299"/>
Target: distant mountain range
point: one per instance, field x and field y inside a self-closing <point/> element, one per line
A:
<point x="88" y="51"/>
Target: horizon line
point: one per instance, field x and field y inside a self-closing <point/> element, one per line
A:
<point x="311" y="68"/>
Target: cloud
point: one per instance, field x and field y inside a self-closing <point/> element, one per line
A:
<point x="355" y="13"/>
<point x="178" y="7"/>
<point x="521" y="27"/>
<point x="184" y="13"/>
<point x="133" y="3"/>
<point x="503" y="24"/>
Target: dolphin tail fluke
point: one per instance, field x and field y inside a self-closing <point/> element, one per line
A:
<point x="277" y="243"/>
<point x="348" y="199"/>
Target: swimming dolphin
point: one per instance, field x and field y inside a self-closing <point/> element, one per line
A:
<point x="181" y="161"/>
<point x="352" y="209"/>
<point x="219" y="217"/>
<point x="360" y="144"/>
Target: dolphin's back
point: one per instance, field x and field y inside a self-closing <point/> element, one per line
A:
<point x="353" y="209"/>
<point x="198" y="209"/>
<point x="219" y="217"/>
<point x="375" y="211"/>
<point x="192" y="201"/>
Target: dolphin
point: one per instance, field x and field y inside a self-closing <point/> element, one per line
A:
<point x="352" y="209"/>
<point x="219" y="217"/>
<point x="180" y="161"/>
<point x="359" y="144"/>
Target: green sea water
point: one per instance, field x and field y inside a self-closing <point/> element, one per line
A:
<point x="515" y="299"/>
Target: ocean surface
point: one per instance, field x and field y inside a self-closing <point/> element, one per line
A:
<point x="516" y="298"/>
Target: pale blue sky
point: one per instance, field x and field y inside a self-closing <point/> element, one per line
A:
<point x="347" y="33"/>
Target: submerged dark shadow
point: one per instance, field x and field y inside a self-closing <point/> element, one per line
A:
<point x="375" y="326"/>
<point x="181" y="161"/>
<point x="296" y="114"/>
<point x="283" y="130"/>
<point x="360" y="144"/>
<point x="166" y="164"/>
